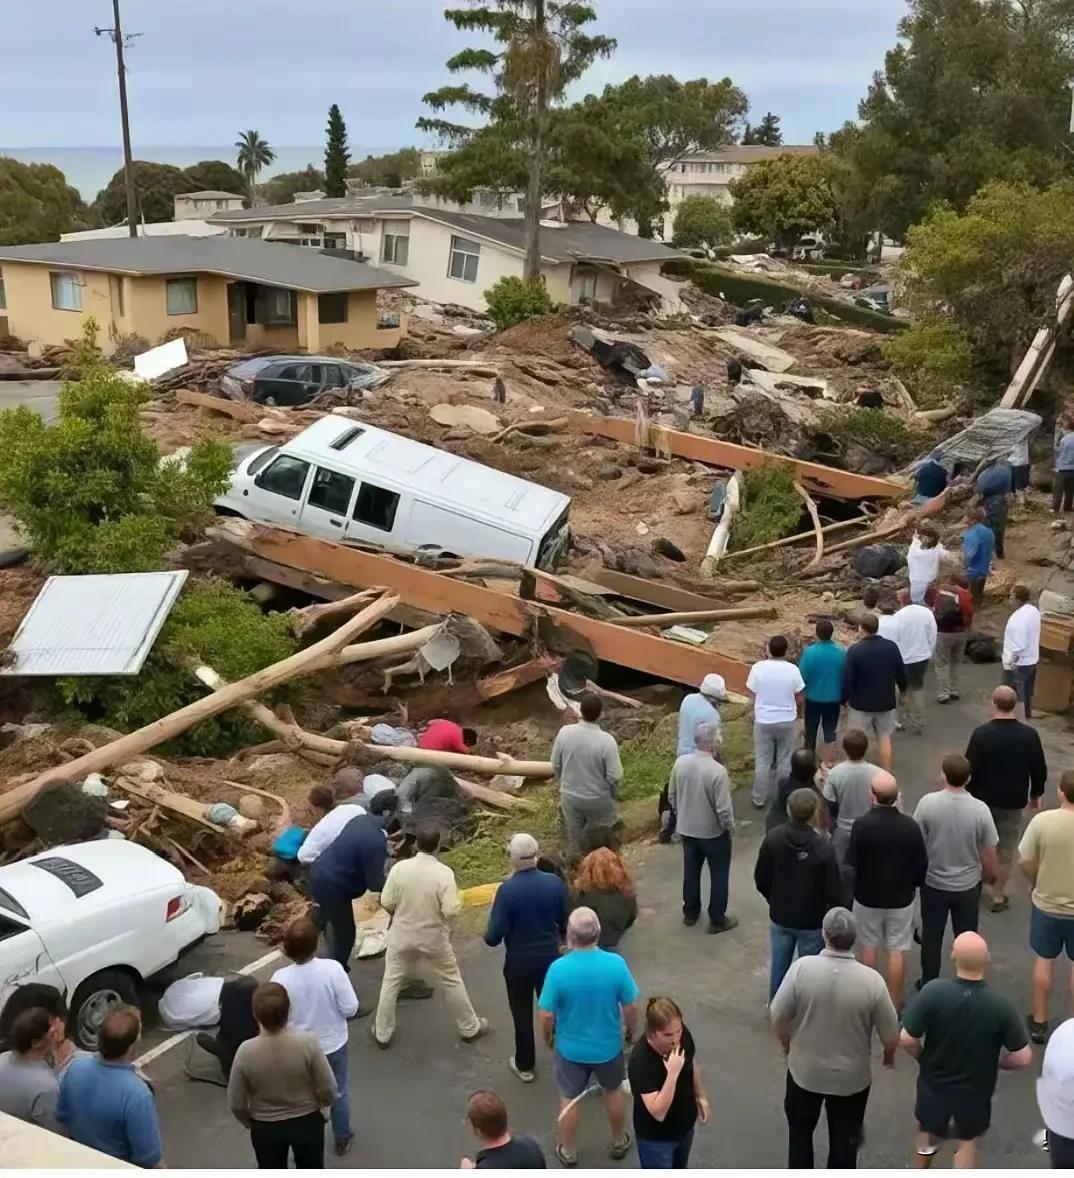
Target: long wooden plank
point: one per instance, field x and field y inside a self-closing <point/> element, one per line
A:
<point x="439" y="594"/>
<point x="654" y="592"/>
<point x="821" y="480"/>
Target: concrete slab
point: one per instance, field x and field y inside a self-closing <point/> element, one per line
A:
<point x="407" y="1103"/>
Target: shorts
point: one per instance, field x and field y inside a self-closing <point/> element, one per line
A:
<point x="885" y="928"/>
<point x="1020" y="478"/>
<point x="881" y="724"/>
<point x="1009" y="828"/>
<point x="1050" y="935"/>
<point x="915" y="675"/>
<point x="572" y="1079"/>
<point x="958" y="1113"/>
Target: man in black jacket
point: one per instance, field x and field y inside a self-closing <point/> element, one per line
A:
<point x="798" y="875"/>
<point x="874" y="675"/>
<point x="889" y="859"/>
<point x="1008" y="773"/>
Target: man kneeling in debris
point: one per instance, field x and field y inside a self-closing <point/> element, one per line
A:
<point x="585" y="760"/>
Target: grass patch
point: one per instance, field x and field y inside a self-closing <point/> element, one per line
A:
<point x="647" y="762"/>
<point x="875" y="429"/>
<point x="771" y="507"/>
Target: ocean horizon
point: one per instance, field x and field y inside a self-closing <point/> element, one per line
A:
<point x="90" y="168"/>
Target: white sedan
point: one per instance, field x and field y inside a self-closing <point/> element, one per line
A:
<point x="95" y="920"/>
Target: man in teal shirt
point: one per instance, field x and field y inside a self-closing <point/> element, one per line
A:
<point x="822" y="669"/>
<point x="587" y="999"/>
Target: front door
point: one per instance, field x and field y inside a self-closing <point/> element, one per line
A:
<point x="236" y="311"/>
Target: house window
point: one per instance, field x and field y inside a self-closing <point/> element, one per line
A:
<point x="238" y="233"/>
<point x="332" y="308"/>
<point x="182" y="296"/>
<point x="331" y="491"/>
<point x="462" y="262"/>
<point x="311" y="229"/>
<point x="255" y="231"/>
<point x="3" y="296"/>
<point x="286" y="476"/>
<point x="66" y="291"/>
<point x="395" y="248"/>
<point x="220" y="204"/>
<point x="376" y="507"/>
<point x="279" y="306"/>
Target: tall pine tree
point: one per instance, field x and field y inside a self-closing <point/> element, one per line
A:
<point x="336" y="155"/>
<point x="767" y="133"/>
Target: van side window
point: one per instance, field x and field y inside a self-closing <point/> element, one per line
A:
<point x="286" y="476"/>
<point x="376" y="507"/>
<point x="331" y="490"/>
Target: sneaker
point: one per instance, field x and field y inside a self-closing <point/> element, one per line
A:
<point x="955" y="695"/>
<point x="344" y="1147"/>
<point x="1000" y="905"/>
<point x="383" y="1044"/>
<point x="525" y="1077"/>
<point x="689" y="921"/>
<point x="482" y="1030"/>
<point x="725" y="925"/>
<point x="1038" y="1032"/>
<point x="619" y="1149"/>
<point x="758" y="805"/>
<point x="944" y="699"/>
<point x="565" y="1159"/>
<point x="900" y="727"/>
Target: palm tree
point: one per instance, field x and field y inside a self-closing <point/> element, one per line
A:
<point x="254" y="154"/>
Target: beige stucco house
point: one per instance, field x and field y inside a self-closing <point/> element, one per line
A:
<point x="237" y="292"/>
<point x="197" y="206"/>
<point x="456" y="257"/>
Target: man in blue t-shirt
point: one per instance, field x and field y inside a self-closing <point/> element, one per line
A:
<point x="821" y="666"/>
<point x="105" y="1104"/>
<point x="978" y="546"/>
<point x="588" y="998"/>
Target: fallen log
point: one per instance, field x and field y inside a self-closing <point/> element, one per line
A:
<point x="814" y="515"/>
<point x="828" y="529"/>
<point x="442" y="595"/>
<point x="700" y="615"/>
<point x="718" y="544"/>
<point x="520" y="676"/>
<point x="117" y="752"/>
<point x="495" y="797"/>
<point x="238" y="410"/>
<point x="308" y="618"/>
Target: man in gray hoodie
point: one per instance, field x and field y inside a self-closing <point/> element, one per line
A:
<point x="585" y="759"/>
<point x="700" y="795"/>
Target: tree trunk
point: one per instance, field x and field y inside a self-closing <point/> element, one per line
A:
<point x="534" y="192"/>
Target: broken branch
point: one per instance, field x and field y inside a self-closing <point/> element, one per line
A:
<point x="814" y="515"/>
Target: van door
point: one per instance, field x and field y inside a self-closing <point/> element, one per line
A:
<point x="23" y="957"/>
<point x="374" y="513"/>
<point x="328" y="504"/>
<point x="276" y="496"/>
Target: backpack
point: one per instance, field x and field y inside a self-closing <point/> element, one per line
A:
<point x="948" y="609"/>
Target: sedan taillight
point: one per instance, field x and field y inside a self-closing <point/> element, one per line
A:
<point x="174" y="909"/>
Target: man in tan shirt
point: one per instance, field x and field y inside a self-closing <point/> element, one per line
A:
<point x="421" y="895"/>
<point x="1046" y="855"/>
<point x="280" y="1084"/>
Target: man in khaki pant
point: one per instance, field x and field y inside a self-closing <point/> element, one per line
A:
<point x="421" y="895"/>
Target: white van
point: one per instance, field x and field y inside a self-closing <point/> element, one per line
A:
<point x="343" y="480"/>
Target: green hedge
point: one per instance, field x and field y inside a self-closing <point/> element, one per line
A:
<point x="740" y="288"/>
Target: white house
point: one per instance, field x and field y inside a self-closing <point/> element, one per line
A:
<point x="708" y="173"/>
<point x="455" y="257"/>
<point x="196" y="206"/>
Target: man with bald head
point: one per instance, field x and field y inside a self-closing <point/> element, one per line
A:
<point x="1008" y="774"/>
<point x="961" y="1032"/>
<point x="888" y="858"/>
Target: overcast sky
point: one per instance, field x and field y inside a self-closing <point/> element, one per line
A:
<point x="202" y="69"/>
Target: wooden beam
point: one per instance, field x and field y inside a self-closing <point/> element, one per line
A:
<point x="239" y="410"/>
<point x="168" y="799"/>
<point x="439" y="594"/>
<point x="820" y="480"/>
<point x="828" y="529"/>
<point x="668" y="596"/>
<point x="700" y="615"/>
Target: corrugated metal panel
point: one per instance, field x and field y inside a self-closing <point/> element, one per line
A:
<point x="93" y="625"/>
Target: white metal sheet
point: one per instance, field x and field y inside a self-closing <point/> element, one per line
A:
<point x="100" y="624"/>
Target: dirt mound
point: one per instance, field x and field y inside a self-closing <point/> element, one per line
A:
<point x="18" y="588"/>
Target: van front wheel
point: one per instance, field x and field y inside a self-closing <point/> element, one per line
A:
<point x="95" y="1000"/>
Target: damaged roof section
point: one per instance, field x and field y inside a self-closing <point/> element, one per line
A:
<point x="102" y="624"/>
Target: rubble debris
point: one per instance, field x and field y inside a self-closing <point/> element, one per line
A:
<point x="766" y="355"/>
<point x="237" y="410"/>
<point x="481" y="421"/>
<point x="67" y="815"/>
<point x="161" y="359"/>
<point x="701" y="615"/>
<point x="250" y="911"/>
<point x="992" y="435"/>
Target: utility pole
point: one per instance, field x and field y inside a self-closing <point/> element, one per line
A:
<point x="116" y="33"/>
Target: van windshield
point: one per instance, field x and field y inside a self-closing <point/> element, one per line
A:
<point x="259" y="460"/>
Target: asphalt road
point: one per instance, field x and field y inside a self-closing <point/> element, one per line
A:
<point x="408" y="1103"/>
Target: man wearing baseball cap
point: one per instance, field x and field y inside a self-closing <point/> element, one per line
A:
<point x="699" y="707"/>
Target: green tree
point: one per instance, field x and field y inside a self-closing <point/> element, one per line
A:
<point x="91" y="491"/>
<point x="513" y="300"/>
<point x="974" y="91"/>
<point x="37" y="203"/>
<point x="388" y="170"/>
<point x="542" y="47"/>
<point x="336" y="155"/>
<point x="934" y="355"/>
<point x="214" y="176"/>
<point x="156" y="187"/>
<point x="783" y="198"/>
<point x="278" y="190"/>
<point x="254" y="153"/>
<point x="702" y="220"/>
<point x="993" y="270"/>
<point x="768" y="133"/>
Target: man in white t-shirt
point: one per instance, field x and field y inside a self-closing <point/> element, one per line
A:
<point x="1021" y="648"/>
<point x="915" y="636"/>
<point x="777" y="687"/>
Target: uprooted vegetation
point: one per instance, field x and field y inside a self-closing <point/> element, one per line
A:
<point x="771" y="508"/>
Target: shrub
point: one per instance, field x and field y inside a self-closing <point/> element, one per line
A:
<point x="91" y="491"/>
<point x="935" y="355"/>
<point x="771" y="508"/>
<point x="875" y="429"/>
<point x="211" y="623"/>
<point x="513" y="300"/>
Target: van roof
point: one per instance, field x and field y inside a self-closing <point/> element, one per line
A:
<point x="424" y="470"/>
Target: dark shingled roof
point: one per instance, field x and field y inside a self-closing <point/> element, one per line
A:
<point x="273" y="264"/>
